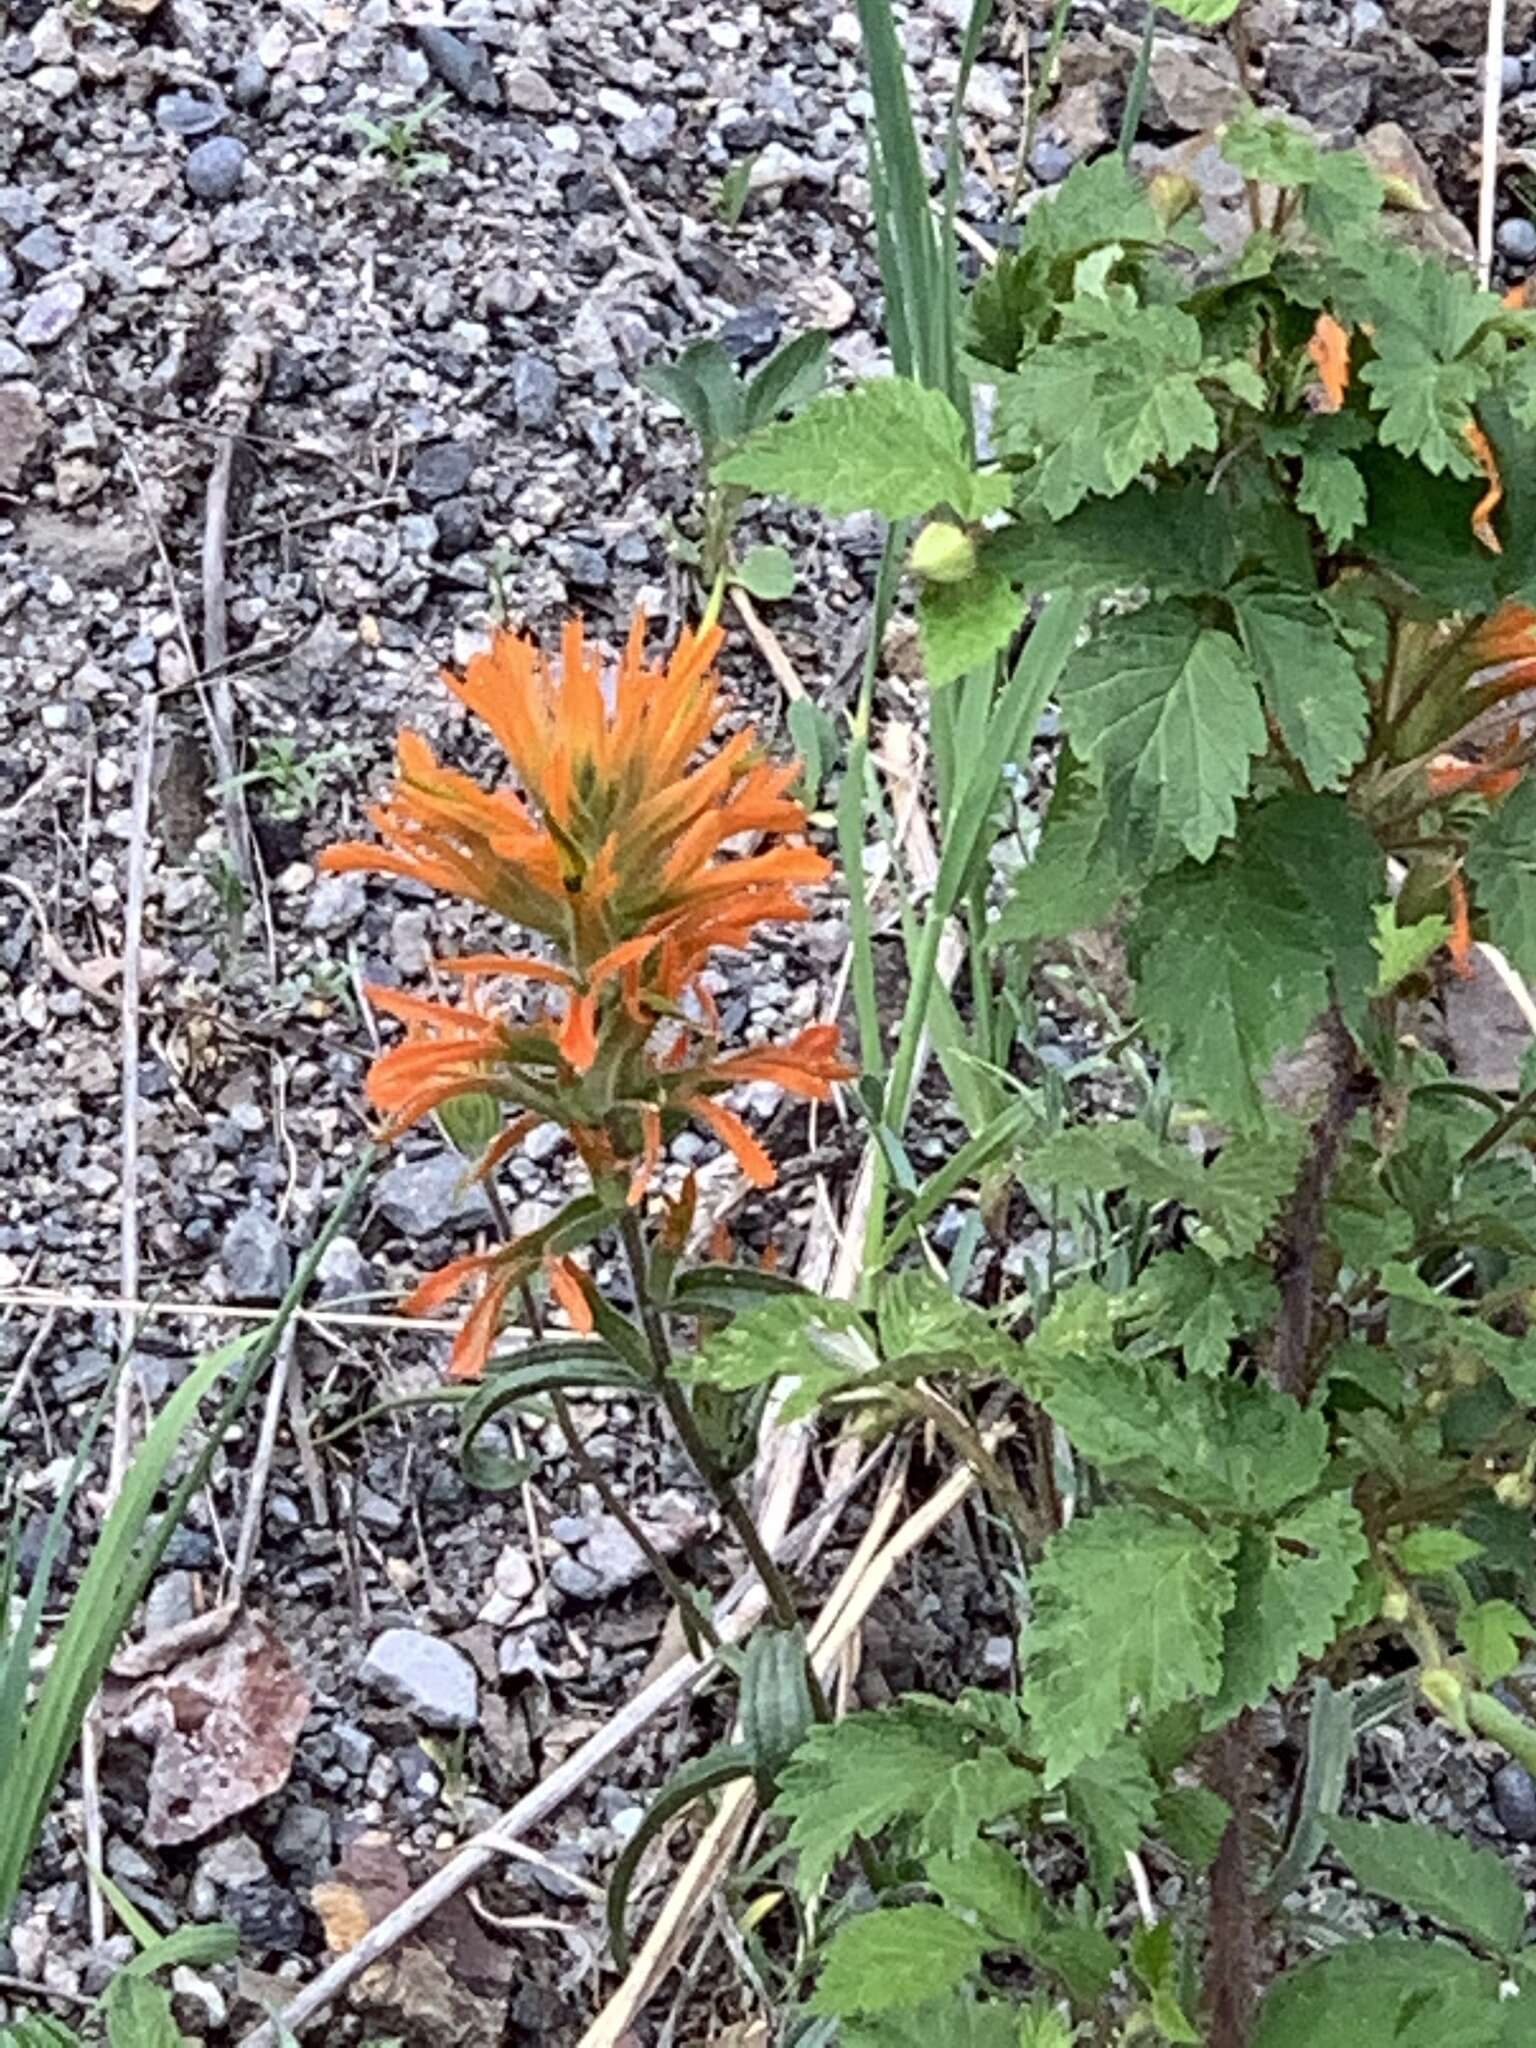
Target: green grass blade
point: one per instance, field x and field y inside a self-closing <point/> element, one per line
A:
<point x="910" y="236"/>
<point x="1136" y="98"/>
<point x="949" y="295"/>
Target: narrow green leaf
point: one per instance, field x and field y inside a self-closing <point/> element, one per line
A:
<point x="1310" y="681"/>
<point x="694" y="1781"/>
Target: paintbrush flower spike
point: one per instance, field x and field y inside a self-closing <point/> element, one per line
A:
<point x="617" y="840"/>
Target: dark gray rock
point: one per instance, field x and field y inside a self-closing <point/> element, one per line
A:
<point x="428" y="1677"/>
<point x="462" y="64"/>
<point x="271" y="1920"/>
<point x="17" y="56"/>
<point x="1512" y="79"/>
<point x="255" y="1257"/>
<point x="585" y="565"/>
<point x="420" y="1196"/>
<point x="1331" y="87"/>
<point x="189" y="113"/>
<point x="305" y="1841"/>
<point x="440" y="470"/>
<point x="214" y="169"/>
<point x="751" y="334"/>
<point x="1514" y="1801"/>
<point x="459" y="526"/>
<point x="1050" y="162"/>
<point x="1517" y="239"/>
<point x="535" y="387"/>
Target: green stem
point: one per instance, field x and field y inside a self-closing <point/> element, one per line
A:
<point x="1522" y="1107"/>
<point x="683" y="1420"/>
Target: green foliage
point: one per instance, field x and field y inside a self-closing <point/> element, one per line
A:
<point x="890" y="446"/>
<point x="1293" y="1582"/>
<point x="1127" y="1610"/>
<point x="1425" y="1871"/>
<point x="1502" y="863"/>
<point x="894" y="1957"/>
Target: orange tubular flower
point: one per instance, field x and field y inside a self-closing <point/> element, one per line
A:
<point x="620" y="844"/>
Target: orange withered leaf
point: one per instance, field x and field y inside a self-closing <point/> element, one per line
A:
<point x="1329" y="350"/>
<point x="1493" y="497"/>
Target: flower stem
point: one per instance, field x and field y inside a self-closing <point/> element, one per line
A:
<point x="683" y="1420"/>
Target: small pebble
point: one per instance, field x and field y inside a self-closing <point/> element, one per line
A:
<point x="1517" y="239"/>
<point x="1514" y="1801"/>
<point x="214" y="169"/>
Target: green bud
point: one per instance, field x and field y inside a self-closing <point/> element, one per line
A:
<point x="943" y="553"/>
<point x="1515" y="1490"/>
<point x="1447" y="1695"/>
<point x="1394" y="1604"/>
<point x="1172" y="195"/>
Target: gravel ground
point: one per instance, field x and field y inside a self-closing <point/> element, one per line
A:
<point x="448" y="316"/>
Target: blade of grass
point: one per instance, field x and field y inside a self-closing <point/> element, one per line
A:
<point x="1136" y="98"/>
<point x="949" y="296"/>
<point x="910" y="235"/>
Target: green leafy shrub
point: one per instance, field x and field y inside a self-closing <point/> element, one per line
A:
<point x="1288" y="491"/>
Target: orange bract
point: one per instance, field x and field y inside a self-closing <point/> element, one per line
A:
<point x="1329" y="350"/>
<point x="614" y="843"/>
<point x="611" y="833"/>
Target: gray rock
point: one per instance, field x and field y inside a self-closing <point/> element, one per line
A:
<point x="428" y="1677"/>
<point x="1454" y="25"/>
<point x="1517" y="239"/>
<point x="343" y="1273"/>
<point x="420" y="1196"/>
<point x="271" y="1920"/>
<point x="50" y="313"/>
<point x="535" y="389"/>
<point x="649" y="136"/>
<point x="335" y="903"/>
<point x="188" y="113"/>
<point x="20" y="208"/>
<point x="751" y="333"/>
<point x="255" y="1258"/>
<point x="305" y="1841"/>
<point x="23" y="424"/>
<point x="585" y="565"/>
<point x="440" y="470"/>
<point x="460" y="524"/>
<point x="234" y="1861"/>
<point x="462" y="64"/>
<point x="17" y="55"/>
<point x="43" y="248"/>
<point x="214" y="169"/>
<point x="1514" y="1801"/>
<point x="529" y="91"/>
<point x="1512" y="78"/>
<point x="1331" y="87"/>
<point x="1050" y="162"/>
<point x="249" y="85"/>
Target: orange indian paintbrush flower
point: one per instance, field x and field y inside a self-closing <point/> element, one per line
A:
<point x="615" y="844"/>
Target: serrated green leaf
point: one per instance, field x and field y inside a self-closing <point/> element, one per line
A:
<point x="1082" y="1957"/>
<point x="918" y="1315"/>
<point x="704" y="387"/>
<point x="1271" y="149"/>
<point x="822" y="1343"/>
<point x="138" y="2015"/>
<point x="1112" y="1802"/>
<point x="1491" y="1633"/>
<point x="1293" y="1582"/>
<point x="1501" y="859"/>
<point x="1405" y="949"/>
<point x="766" y="572"/>
<point x="888" y="446"/>
<point x="966" y="625"/>
<point x="1217" y="1445"/>
<point x="1195" y="1305"/>
<point x="1236" y="1195"/>
<point x="1235" y="961"/>
<point x="1390" y="1992"/>
<point x="1193" y="1819"/>
<point x="1154" y="1961"/>
<point x="859" y="1775"/>
<point x="895" y="1956"/>
<point x="1128" y="1607"/>
<point x="1165" y="711"/>
<point x="988" y="1880"/>
<point x="1173" y="539"/>
<point x="1425" y="405"/>
<point x="1426" y="1553"/>
<point x="976" y="1792"/>
<point x="1094" y="204"/>
<point x="1309" y="680"/>
<point x="1424" y="1870"/>
<point x="960" y="2021"/>
<point x="1078" y="873"/>
<point x="1345" y="196"/>
<point x="1332" y="491"/>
